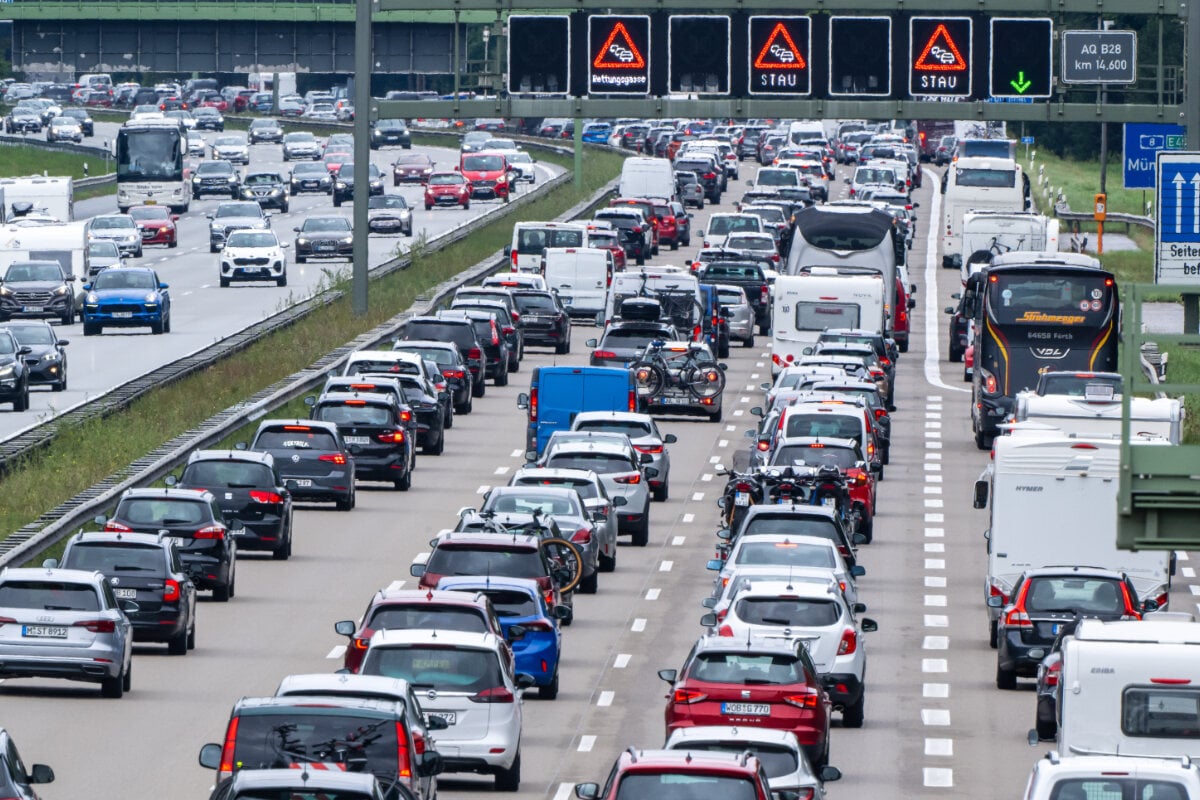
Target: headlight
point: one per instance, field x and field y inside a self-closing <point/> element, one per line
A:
<point x="301" y="242"/>
<point x="7" y="372"/>
<point x="51" y="356"/>
<point x="61" y="290"/>
<point x="5" y="291"/>
<point x="347" y="240"/>
<point x="231" y="179"/>
<point x="341" y="184"/>
<point x="195" y="179"/>
<point x="151" y="297"/>
<point x="92" y="299"/>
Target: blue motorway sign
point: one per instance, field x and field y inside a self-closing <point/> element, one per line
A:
<point x="1177" y="218"/>
<point x="1143" y="141"/>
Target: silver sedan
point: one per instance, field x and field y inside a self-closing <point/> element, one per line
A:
<point x="739" y="316"/>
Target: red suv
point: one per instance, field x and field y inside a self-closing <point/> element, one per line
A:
<point x="761" y="683"/>
<point x="845" y="454"/>
<point x="680" y="774"/>
<point x="487" y="173"/>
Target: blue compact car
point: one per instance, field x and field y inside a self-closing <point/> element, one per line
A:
<point x="127" y="297"/>
<point x="518" y="603"/>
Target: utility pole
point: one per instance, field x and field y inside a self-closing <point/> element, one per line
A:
<point x="1191" y="119"/>
<point x="363" y="63"/>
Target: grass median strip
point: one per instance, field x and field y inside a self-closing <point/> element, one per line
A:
<point x="84" y="455"/>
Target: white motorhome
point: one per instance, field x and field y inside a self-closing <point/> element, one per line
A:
<point x="1130" y="688"/>
<point x="819" y="300"/>
<point x="265" y="82"/>
<point x="580" y="276"/>
<point x="1100" y="415"/>
<point x="64" y="242"/>
<point x="647" y="177"/>
<point x="1053" y="501"/>
<point x="973" y="184"/>
<point x="986" y="233"/>
<point x="53" y="195"/>
<point x="530" y="240"/>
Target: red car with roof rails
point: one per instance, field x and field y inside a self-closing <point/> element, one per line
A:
<point x="488" y="172"/>
<point x="605" y="237"/>
<point x="668" y="225"/>
<point x="647" y="207"/>
<point x="681" y="775"/>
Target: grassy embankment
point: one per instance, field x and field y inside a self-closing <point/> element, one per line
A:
<point x="18" y="161"/>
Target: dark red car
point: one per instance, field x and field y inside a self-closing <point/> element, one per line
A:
<point x="241" y="100"/>
<point x="335" y="158"/>
<point x="157" y="224"/>
<point x="411" y="168"/>
<point x="760" y="683"/>
<point x="447" y="189"/>
<point x="676" y="774"/>
<point x="213" y="100"/>
<point x="669" y="231"/>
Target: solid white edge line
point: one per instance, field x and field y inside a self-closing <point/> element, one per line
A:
<point x="933" y="373"/>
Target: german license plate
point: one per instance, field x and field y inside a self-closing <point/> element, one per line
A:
<point x="746" y="709"/>
<point x="675" y="401"/>
<point x="1055" y="628"/>
<point x="741" y="498"/>
<point x="302" y="482"/>
<point x="151" y="202"/>
<point x="828" y="502"/>
<point x="33" y="309"/>
<point x="44" y="631"/>
<point x="122" y="315"/>
<point x="125" y="594"/>
<point x="358" y="440"/>
<point x="451" y="717"/>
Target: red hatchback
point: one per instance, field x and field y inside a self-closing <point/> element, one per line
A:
<point x="680" y="775"/>
<point x="157" y="224"/>
<point x="447" y="189"/>
<point x="762" y="683"/>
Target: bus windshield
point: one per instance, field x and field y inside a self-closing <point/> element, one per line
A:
<point x="149" y="155"/>
<point x="1050" y="298"/>
<point x="986" y="178"/>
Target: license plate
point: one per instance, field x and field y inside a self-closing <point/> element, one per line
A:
<point x="302" y="482"/>
<point x="122" y="315"/>
<point x="32" y="309"/>
<point x="675" y="401"/>
<point x="125" y="594"/>
<point x="1055" y="628"/>
<point x="358" y="440"/>
<point x="44" y="631"/>
<point x="828" y="502"/>
<point x="746" y="709"/>
<point x="151" y="202"/>
<point x="741" y="499"/>
<point x="451" y="717"/>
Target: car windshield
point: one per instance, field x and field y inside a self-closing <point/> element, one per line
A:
<point x="251" y="239"/>
<point x="746" y="668"/>
<point x="150" y="212"/>
<point x="814" y="455"/>
<point x="1117" y="788"/>
<point x="438" y="355"/>
<point x="266" y="124"/>
<point x="312" y="169"/>
<point x="298" y="137"/>
<point x="444" y="669"/>
<point x="634" y="429"/>
<point x="146" y="511"/>
<point x="483" y="163"/>
<point x="294" y="736"/>
<point x="228" y="473"/>
<point x="346" y="414"/>
<point x="512" y="602"/>
<point x="215" y="168"/>
<point x="445" y="179"/>
<point x="778" y="177"/>
<point x="114" y="557"/>
<point x="777" y="761"/>
<point x="586" y="489"/>
<point x="386" y="201"/>
<point x="230" y="141"/>
<point x="506" y="563"/>
<point x="34" y="334"/>
<point x="599" y="463"/>
<point x="1075" y="595"/>
<point x="416" y="159"/>
<point x="333" y="224"/>
<point x="794" y="612"/>
<point x="635" y="339"/>
<point x="795" y="554"/>
<point x="535" y="303"/>
<point x="112" y="223"/>
<point x="427" y="617"/>
<point x="49" y="595"/>
<point x="526" y="502"/>
<point x="390" y="125"/>
<point x="239" y="210"/>
<point x="124" y="279"/>
<point x="295" y="437"/>
<point x="736" y="242"/>
<point x="103" y="250"/>
<point x="684" y="786"/>
<point x="34" y="271"/>
<point x="262" y="179"/>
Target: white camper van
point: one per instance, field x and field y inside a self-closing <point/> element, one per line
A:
<point x="1100" y="414"/>
<point x="52" y="195"/>
<point x="986" y="233"/>
<point x="820" y="299"/>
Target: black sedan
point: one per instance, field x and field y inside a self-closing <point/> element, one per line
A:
<point x="324" y="237"/>
<point x="47" y="360"/>
<point x="248" y="488"/>
<point x="14" y="375"/>
<point x="343" y="183"/>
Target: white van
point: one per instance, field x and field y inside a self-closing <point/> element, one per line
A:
<point x="647" y="177"/>
<point x="1093" y="415"/>
<point x="818" y="300"/>
<point x="530" y="240"/>
<point x="973" y="184"/>
<point x="1130" y="688"/>
<point x="987" y="233"/>
<point x="581" y="277"/>
<point x="1053" y="500"/>
<point x="805" y="131"/>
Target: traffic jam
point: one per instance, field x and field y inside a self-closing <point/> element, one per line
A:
<point x="773" y="322"/>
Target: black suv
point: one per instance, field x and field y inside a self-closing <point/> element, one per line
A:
<point x="147" y="569"/>
<point x="494" y="344"/>
<point x="264" y="130"/>
<point x="47" y="361"/>
<point x="390" y="132"/>
<point x="374" y="432"/>
<point x="460" y="331"/>
<point x="207" y="542"/>
<point x="15" y="782"/>
<point x="268" y="188"/>
<point x="37" y="289"/>
<point x="215" y="177"/>
<point x="313" y="460"/>
<point x="14" y="373"/>
<point x="453" y="365"/>
<point x="248" y="488"/>
<point x="503" y="313"/>
<point x="707" y="171"/>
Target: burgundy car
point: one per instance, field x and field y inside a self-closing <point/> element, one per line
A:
<point x="156" y="223"/>
<point x="447" y="189"/>
<point x="412" y="168"/>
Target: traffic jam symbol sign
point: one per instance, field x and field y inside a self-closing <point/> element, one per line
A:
<point x="619" y="49"/>
<point x="940" y="56"/>
<point x="779" y="55"/>
<point x="1177" y="224"/>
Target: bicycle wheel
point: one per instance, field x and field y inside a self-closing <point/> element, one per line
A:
<point x="704" y="381"/>
<point x="566" y="555"/>
<point x="650" y="378"/>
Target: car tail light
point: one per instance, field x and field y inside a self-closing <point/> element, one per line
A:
<point x="419" y="745"/>
<point x="763" y="445"/>
<point x="806" y="699"/>
<point x="880" y="413"/>
<point x="630" y="480"/>
<point x="497" y="694"/>
<point x="849" y="642"/>
<point x="508" y="330"/>
<point x="583" y="536"/>
<point x="990" y="384"/>
<point x="603" y="354"/>
<point x="765" y="293"/>
<point x="652" y="449"/>
<point x="211" y="532"/>
<point x="474" y="354"/>
<point x="334" y="458"/>
<point x="538" y="625"/>
<point x="170" y="590"/>
<point x="533" y="404"/>
<point x="1052" y="673"/>
<point x="453" y="373"/>
<point x="259" y="496"/>
<point x="1162" y="600"/>
<point x="97" y="625"/>
<point x="996" y="591"/>
<point x="406" y="416"/>
<point x="688" y="696"/>
<point x="113" y="526"/>
<point x="742" y="486"/>
<point x="391" y="437"/>
<point x="859" y="479"/>
<point x="1131" y="611"/>
<point x="402" y="751"/>
<point x="633" y="400"/>
<point x="725" y="630"/>
<point x="227" y="748"/>
<point x="710" y="176"/>
<point x="1017" y="617"/>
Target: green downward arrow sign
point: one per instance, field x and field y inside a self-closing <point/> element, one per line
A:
<point x="1021" y="84"/>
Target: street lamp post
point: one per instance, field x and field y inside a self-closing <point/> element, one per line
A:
<point x="487" y="35"/>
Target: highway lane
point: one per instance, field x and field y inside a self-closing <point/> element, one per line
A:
<point x="202" y="311"/>
<point x="935" y="724"/>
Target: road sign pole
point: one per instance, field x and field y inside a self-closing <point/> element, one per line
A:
<point x="362" y="150"/>
<point x="578" y="140"/>
<point x="1191" y="119"/>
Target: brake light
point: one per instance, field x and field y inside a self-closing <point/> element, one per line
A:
<point x="113" y="526"/>
<point x="880" y="413"/>
<point x="453" y="373"/>
<point x="764" y="445"/>
<point x="583" y="536"/>
<point x="1018" y="618"/>
<point x="362" y="642"/>
<point x="402" y="751"/>
<point x="765" y="293"/>
<point x="538" y="625"/>
<point x="406" y="416"/>
<point x="1052" y="673"/>
<point x="849" y="642"/>
<point x="603" y="354"/>
<point x="97" y="625"/>
<point x="508" y="330"/>
<point x="1131" y="611"/>
<point x="1171" y="681"/>
<point x="996" y="591"/>
<point x="688" y="696"/>
<point x="227" y="749"/>
<point x="498" y="694"/>
<point x="336" y="458"/>
<point x="296" y="428"/>
<point x="418" y="743"/>
<point x="652" y="449"/>
<point x="495" y="336"/>
<point x="211" y="532"/>
<point x="633" y="400"/>
<point x="808" y="699"/>
<point x="474" y="354"/>
<point x="725" y="630"/>
<point x="630" y="480"/>
<point x="533" y="404"/>
<point x="391" y="437"/>
<point x="260" y="496"/>
<point x="170" y="590"/>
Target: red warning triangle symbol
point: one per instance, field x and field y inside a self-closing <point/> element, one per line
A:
<point x="941" y="53"/>
<point x="780" y="55"/>
<point x="619" y="51"/>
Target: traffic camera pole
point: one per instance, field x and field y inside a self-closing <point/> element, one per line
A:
<point x="362" y="150"/>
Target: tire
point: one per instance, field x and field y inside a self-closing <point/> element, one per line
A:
<point x="428" y="207"/>
<point x="852" y="716"/>
<point x="68" y="317"/>
<point x="562" y="348"/>
<point x="1047" y="723"/>
<point x="608" y="563"/>
<point x="748" y="341"/>
<point x="641" y="260"/>
<point x="61" y="386"/>
<point x="449" y="420"/>
<point x="764" y="329"/>
<point x="336" y="202"/>
<point x="479" y="388"/>
<point x="405" y="483"/>
<point x="716" y="416"/>
<point x="212" y="248"/>
<point x="467" y="407"/>
<point x="467" y="206"/>
<point x="221" y="594"/>
<point x="281" y="280"/>
<point x="21" y="401"/>
<point x="285" y="552"/>
<point x="549" y="691"/>
<point x="113" y="688"/>
<point x="300" y="259"/>
<point x="661" y="494"/>
<point x="502" y="378"/>
<point x="904" y="346"/>
<point x="347" y="504"/>
<point x="439" y="448"/>
<point x="983" y="441"/>
<point x="177" y="646"/>
<point x="509" y="780"/>
<point x="157" y="328"/>
<point x="173" y="243"/>
<point x="867" y="528"/>
<point x="993" y="634"/>
<point x="590" y="583"/>
<point x="191" y="640"/>
<point x="1006" y="679"/>
<point x="954" y="355"/>
<point x="641" y="534"/>
<point x="674" y="244"/>
<point x="224" y="282"/>
<point x="723" y="349"/>
<point x="90" y="329"/>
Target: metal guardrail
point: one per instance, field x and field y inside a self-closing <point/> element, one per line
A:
<point x="1063" y="211"/>
<point x="66" y="518"/>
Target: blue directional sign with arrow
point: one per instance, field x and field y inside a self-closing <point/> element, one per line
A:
<point x="1177" y="227"/>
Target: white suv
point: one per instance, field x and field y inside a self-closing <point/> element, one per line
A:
<point x="466" y="681"/>
<point x="622" y="469"/>
<point x="784" y="551"/>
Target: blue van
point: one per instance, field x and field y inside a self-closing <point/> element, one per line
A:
<point x="557" y="394"/>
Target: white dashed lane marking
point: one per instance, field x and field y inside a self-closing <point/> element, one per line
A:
<point x="621" y="661"/>
<point x="638" y="625"/>
<point x="653" y="594"/>
<point x="941" y="690"/>
<point x="606" y="699"/>
<point x="336" y="652"/>
<point x="935" y="716"/>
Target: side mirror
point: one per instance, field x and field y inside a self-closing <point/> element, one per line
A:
<point x="1032" y="737"/>
<point x="650" y="472"/>
<point x="860" y="608"/>
<point x="807" y="351"/>
<point x="515" y="633"/>
<point x="668" y="675"/>
<point x="41" y="774"/>
<point x="868" y="625"/>
<point x="714" y="565"/>
<point x="24" y="350"/>
<point x="561" y="612"/>
<point x="670" y="438"/>
<point x="210" y="755"/>
<point x="416" y="570"/>
<point x="296" y="229"/>
<point x="465" y="510"/>
<point x="995" y="602"/>
<point x="1149" y="605"/>
<point x="522" y="401"/>
<point x="436" y="723"/>
<point x="285" y="246"/>
<point x="757" y="411"/>
<point x="587" y="791"/>
<point x="829" y="773"/>
<point x="981" y="494"/>
<point x="876" y="467"/>
<point x="709" y="602"/>
<point x="524" y="680"/>
<point x="725" y="534"/>
<point x="170" y="480"/>
<point x="592" y="343"/>
<point x="310" y="401"/>
<point x="858" y="538"/>
<point x="857" y="571"/>
<point x="750" y="184"/>
<point x="949" y="309"/>
<point x="100" y="519"/>
<point x="645" y="458"/>
<point x="709" y="620"/>
<point x="619" y="501"/>
<point x="430" y="763"/>
<point x="241" y="446"/>
<point x="912" y="303"/>
<point x="346" y="627"/>
<point x="721" y="503"/>
<point x="50" y="563"/>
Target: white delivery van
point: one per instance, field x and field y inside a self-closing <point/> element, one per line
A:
<point x="647" y="177"/>
<point x="819" y="300"/>
<point x="53" y="195"/>
<point x="581" y="277"/>
<point x="986" y="233"/>
<point x="1053" y="501"/>
<point x="973" y="184"/>
<point x="1100" y="414"/>
<point x="1130" y="688"/>
<point x="530" y="240"/>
